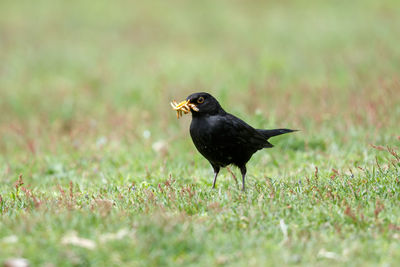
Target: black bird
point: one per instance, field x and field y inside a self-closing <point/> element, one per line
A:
<point x="221" y="137"/>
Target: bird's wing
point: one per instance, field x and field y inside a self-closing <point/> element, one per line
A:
<point x="238" y="132"/>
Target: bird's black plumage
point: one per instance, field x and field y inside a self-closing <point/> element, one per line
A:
<point x="224" y="139"/>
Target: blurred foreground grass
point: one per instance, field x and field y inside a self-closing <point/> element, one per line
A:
<point x="110" y="176"/>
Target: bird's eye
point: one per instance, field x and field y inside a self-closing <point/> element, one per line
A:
<point x="200" y="100"/>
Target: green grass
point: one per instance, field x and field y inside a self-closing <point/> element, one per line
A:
<point x="91" y="149"/>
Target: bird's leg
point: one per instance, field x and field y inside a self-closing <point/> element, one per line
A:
<point x="216" y="171"/>
<point x="243" y="171"/>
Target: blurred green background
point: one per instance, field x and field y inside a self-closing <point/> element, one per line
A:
<point x="65" y="61"/>
<point x="85" y="88"/>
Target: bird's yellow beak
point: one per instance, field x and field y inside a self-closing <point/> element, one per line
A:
<point x="183" y="107"/>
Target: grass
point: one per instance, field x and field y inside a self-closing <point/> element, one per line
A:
<point x="95" y="170"/>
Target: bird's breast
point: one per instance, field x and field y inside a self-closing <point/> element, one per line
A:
<point x="204" y="129"/>
<point x="206" y="135"/>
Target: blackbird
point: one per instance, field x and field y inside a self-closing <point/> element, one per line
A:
<point x="221" y="137"/>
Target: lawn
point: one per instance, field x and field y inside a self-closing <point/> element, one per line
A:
<point x="95" y="169"/>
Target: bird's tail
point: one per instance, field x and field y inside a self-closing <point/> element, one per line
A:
<point x="270" y="133"/>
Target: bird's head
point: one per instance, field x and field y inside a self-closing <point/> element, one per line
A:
<point x="198" y="104"/>
<point x="205" y="104"/>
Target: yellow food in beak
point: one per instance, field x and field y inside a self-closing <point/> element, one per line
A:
<point x="183" y="107"/>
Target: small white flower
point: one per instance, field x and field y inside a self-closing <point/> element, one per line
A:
<point x="101" y="141"/>
<point x="9" y="239"/>
<point x="160" y="146"/>
<point x="146" y="134"/>
<point x="16" y="262"/>
<point x="72" y="239"/>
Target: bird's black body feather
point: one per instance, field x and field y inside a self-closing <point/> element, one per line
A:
<point x="224" y="139"/>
